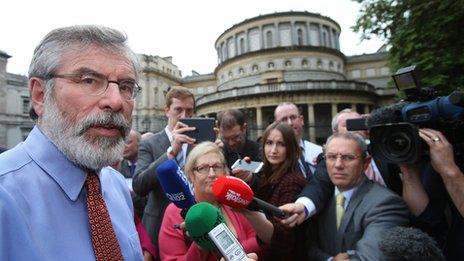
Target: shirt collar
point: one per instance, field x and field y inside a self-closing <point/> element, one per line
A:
<point x="168" y="132"/>
<point x="347" y="194"/>
<point x="54" y="163"/>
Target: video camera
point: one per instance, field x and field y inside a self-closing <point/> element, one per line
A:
<point x="393" y="130"/>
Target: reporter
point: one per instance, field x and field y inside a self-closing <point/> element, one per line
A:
<point x="279" y="182"/>
<point x="204" y="164"/>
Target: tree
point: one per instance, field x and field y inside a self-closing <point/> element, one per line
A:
<point x="427" y="33"/>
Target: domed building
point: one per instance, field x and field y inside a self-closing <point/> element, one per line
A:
<point x="290" y="57"/>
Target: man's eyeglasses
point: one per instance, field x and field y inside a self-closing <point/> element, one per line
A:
<point x="94" y="84"/>
<point x="235" y="138"/>
<point x="332" y="157"/>
<point x="218" y="168"/>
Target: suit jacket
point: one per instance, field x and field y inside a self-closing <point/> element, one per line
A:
<point x="372" y="210"/>
<point x="125" y="169"/>
<point x="152" y="152"/>
<point x="320" y="188"/>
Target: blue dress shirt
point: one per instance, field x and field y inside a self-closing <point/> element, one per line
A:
<point x="43" y="210"/>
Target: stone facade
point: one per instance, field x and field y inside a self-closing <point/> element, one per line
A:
<point x="15" y="123"/>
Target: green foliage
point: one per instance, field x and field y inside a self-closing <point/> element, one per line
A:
<point x="427" y="33"/>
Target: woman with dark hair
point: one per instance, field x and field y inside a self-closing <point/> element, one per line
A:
<point x="279" y="182"/>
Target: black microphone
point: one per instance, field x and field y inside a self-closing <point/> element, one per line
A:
<point x="406" y="243"/>
<point x="387" y="114"/>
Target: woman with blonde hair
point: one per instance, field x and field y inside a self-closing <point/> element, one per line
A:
<point x="205" y="163"/>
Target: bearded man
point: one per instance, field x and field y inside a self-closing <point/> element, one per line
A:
<point x="58" y="200"/>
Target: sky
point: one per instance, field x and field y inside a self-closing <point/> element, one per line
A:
<point x="183" y="29"/>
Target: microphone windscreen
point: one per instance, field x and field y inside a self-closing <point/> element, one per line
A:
<point x="175" y="184"/>
<point x="232" y="192"/>
<point x="200" y="219"/>
<point x="387" y="114"/>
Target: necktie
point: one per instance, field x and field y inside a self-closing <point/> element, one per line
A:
<point x="132" y="169"/>
<point x="104" y="241"/>
<point x="340" y="208"/>
<point x="304" y="166"/>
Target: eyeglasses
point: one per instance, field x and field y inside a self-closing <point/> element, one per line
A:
<point x="235" y="138"/>
<point x="332" y="157"/>
<point x="95" y="84"/>
<point x="218" y="168"/>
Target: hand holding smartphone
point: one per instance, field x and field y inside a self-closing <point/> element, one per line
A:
<point x="252" y="166"/>
<point x="204" y="129"/>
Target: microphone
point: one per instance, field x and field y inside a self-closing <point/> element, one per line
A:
<point x="200" y="219"/>
<point x="387" y="114"/>
<point x="235" y="193"/>
<point x="206" y="226"/>
<point x="175" y="185"/>
<point x="406" y="243"/>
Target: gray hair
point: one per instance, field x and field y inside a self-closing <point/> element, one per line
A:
<point x="48" y="54"/>
<point x="200" y="150"/>
<point x="350" y="136"/>
<point x="335" y="118"/>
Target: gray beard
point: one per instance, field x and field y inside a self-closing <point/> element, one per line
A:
<point x="70" y="137"/>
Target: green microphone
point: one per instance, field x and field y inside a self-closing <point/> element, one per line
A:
<point x="201" y="218"/>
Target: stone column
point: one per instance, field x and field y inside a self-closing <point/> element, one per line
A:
<point x="259" y="122"/>
<point x="366" y="108"/>
<point x="334" y="109"/>
<point x="311" y="123"/>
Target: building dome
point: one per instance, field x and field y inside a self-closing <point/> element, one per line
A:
<point x="289" y="57"/>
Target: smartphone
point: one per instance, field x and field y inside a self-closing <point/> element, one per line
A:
<point x="253" y="166"/>
<point x="204" y="129"/>
<point x="227" y="244"/>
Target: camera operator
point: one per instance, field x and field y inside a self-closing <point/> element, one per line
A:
<point x="427" y="193"/>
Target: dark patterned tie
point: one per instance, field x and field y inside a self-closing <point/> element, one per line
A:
<point x="104" y="241"/>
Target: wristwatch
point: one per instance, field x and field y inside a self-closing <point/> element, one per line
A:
<point x="171" y="152"/>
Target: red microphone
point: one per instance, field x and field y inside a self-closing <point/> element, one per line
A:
<point x="235" y="193"/>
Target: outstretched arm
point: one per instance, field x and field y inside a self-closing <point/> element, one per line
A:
<point x="442" y="159"/>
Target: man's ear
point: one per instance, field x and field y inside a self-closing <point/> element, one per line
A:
<point x="366" y="162"/>
<point x="37" y="92"/>
<point x="244" y="126"/>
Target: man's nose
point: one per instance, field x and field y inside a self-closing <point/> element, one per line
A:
<point x="112" y="98"/>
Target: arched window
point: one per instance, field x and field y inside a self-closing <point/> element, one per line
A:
<point x="240" y="71"/>
<point x="331" y="66"/>
<point x="288" y="63"/>
<point x="319" y="64"/>
<point x="269" y="40"/>
<point x="299" y="34"/>
<point x="242" y="45"/>
<point x="254" y="68"/>
<point x="270" y="65"/>
<point x="304" y="63"/>
<point x="230" y="75"/>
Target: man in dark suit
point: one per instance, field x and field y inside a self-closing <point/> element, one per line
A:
<point x="170" y="143"/>
<point x="359" y="211"/>
<point x="316" y="194"/>
<point x="234" y="142"/>
<point x="131" y="149"/>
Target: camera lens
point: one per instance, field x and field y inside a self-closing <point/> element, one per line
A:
<point x="397" y="143"/>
